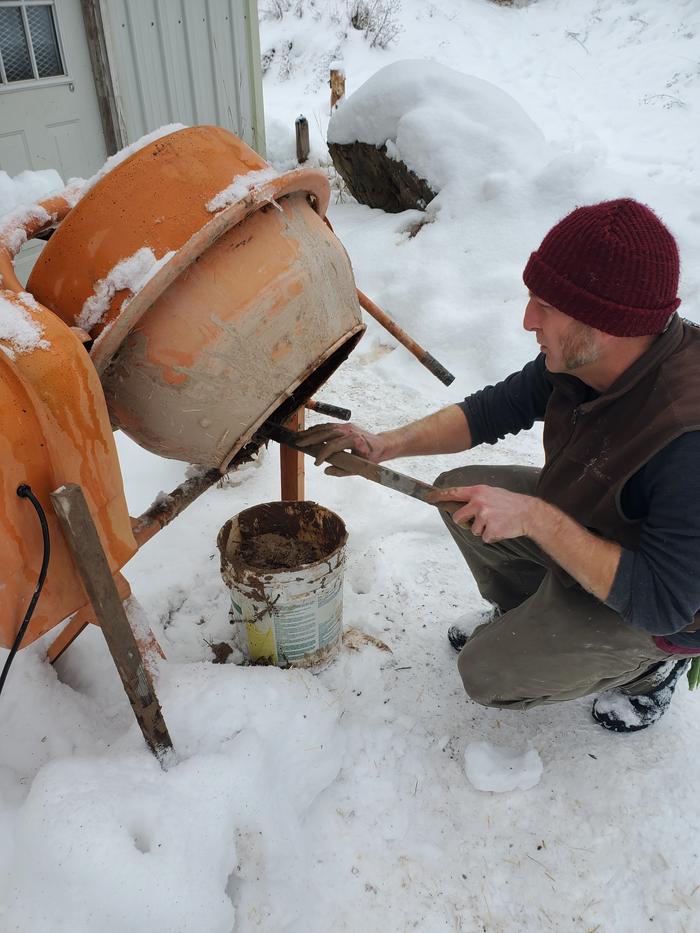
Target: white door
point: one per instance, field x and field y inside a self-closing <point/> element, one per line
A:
<point x="49" y="116"/>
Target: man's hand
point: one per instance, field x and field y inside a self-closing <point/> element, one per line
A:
<point x="494" y="514"/>
<point x="339" y="437"/>
<point x="497" y="514"/>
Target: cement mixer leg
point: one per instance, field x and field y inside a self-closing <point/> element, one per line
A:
<point x="80" y="621"/>
<point x="82" y="538"/>
<point x="147" y="641"/>
<point x="292" y="463"/>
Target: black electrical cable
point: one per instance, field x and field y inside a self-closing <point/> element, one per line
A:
<point x="24" y="491"/>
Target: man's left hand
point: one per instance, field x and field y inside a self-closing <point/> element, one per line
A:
<point x="494" y="514"/>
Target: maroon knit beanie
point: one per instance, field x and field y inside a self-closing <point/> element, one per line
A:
<point x="612" y="265"/>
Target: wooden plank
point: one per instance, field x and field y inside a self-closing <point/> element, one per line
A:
<point x="82" y="538"/>
<point x="102" y="73"/>
<point x="292" y="463"/>
<point x="80" y="621"/>
<point x="148" y="643"/>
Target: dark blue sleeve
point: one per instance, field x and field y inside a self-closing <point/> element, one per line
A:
<point x="510" y="406"/>
<point x="657" y="585"/>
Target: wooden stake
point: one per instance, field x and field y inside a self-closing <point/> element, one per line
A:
<point x="292" y="463"/>
<point x="302" y="130"/>
<point x="90" y="559"/>
<point x="337" y="83"/>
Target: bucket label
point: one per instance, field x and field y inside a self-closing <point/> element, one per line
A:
<point x="329" y="631"/>
<point x="296" y="630"/>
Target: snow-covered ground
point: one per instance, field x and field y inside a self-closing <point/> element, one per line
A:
<point x="349" y="801"/>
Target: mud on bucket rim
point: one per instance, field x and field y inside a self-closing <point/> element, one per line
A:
<point x="284" y="518"/>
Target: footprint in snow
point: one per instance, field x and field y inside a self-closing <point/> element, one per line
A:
<point x="501" y="769"/>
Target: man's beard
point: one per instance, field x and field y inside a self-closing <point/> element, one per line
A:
<point x="579" y="346"/>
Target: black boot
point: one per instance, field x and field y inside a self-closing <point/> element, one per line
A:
<point x="628" y="712"/>
<point x="458" y="636"/>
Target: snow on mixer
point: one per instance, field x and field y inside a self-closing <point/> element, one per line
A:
<point x="210" y="296"/>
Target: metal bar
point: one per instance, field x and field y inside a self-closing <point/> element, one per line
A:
<point x="167" y="508"/>
<point x="358" y="466"/>
<point x="333" y="411"/>
<point x="427" y="359"/>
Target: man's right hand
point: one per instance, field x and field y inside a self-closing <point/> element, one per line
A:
<point x="337" y="437"/>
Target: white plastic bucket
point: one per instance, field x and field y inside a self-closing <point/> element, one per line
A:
<point x="283" y="563"/>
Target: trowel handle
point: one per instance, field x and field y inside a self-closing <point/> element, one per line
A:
<point x="333" y="411"/>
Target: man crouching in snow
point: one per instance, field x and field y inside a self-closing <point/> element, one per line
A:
<point x="591" y="563"/>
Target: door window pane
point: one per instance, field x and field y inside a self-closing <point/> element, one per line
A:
<point x="44" y="41"/>
<point x="13" y="45"/>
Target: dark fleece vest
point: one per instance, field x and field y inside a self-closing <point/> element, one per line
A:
<point x="593" y="447"/>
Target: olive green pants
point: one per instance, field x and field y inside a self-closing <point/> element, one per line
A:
<point x="553" y="641"/>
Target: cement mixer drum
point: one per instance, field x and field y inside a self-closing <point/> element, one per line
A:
<point x="246" y="302"/>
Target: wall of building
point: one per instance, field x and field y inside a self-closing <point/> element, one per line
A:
<point x="183" y="61"/>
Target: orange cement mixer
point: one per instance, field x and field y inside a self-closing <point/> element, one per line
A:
<point x="54" y="429"/>
<point x="250" y="300"/>
<point x="210" y="294"/>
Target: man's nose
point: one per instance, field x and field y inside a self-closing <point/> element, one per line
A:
<point x="531" y="319"/>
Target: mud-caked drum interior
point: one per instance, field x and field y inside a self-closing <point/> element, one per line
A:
<point x="315" y="380"/>
<point x="304" y="391"/>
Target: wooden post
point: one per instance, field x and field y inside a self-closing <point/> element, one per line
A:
<point x="103" y="73"/>
<point x="302" y="130"/>
<point x="90" y="559"/>
<point x="337" y="83"/>
<point x="292" y="463"/>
